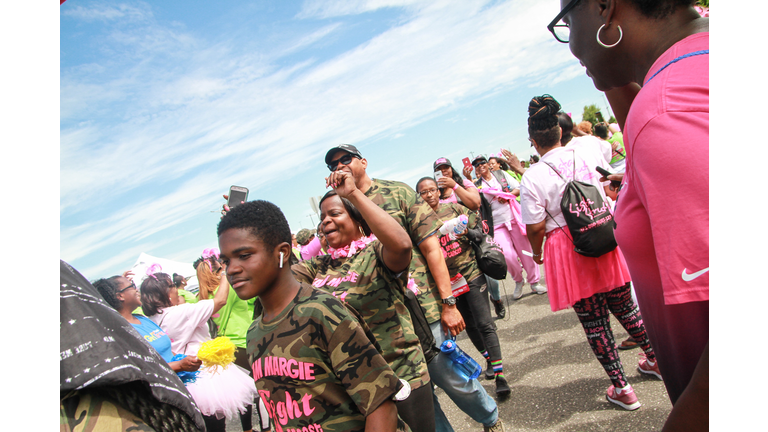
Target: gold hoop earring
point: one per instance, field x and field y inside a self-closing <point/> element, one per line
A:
<point x="361" y="230"/>
<point x="601" y="42"/>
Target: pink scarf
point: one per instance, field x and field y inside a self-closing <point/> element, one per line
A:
<point x="514" y="206"/>
<point x="352" y="248"/>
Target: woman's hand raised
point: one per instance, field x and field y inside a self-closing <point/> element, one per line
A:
<point x="341" y="182"/>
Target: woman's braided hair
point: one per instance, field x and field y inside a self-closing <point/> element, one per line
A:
<point x="108" y="289"/>
<point x="543" y="123"/>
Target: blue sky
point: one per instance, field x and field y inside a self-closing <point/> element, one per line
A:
<point x="165" y="105"/>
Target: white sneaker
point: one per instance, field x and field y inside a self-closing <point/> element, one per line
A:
<point x="518" y="290"/>
<point x="538" y="288"/>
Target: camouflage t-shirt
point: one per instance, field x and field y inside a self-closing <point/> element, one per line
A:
<point x="419" y="220"/>
<point x="458" y="253"/>
<point x="314" y="367"/>
<point x="366" y="284"/>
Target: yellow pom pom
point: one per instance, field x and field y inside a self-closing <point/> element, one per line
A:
<point x="217" y="352"/>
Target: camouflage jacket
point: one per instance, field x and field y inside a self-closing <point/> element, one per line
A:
<point x="315" y="368"/>
<point x="458" y="253"/>
<point x="365" y="283"/>
<point x="419" y="220"/>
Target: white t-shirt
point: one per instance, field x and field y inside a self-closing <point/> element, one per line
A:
<point x="500" y="211"/>
<point x="542" y="189"/>
<point x="592" y="143"/>
<point x="186" y="325"/>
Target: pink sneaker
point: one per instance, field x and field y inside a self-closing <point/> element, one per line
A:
<point x="623" y="398"/>
<point x="645" y="366"/>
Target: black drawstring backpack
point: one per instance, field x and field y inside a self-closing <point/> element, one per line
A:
<point x="588" y="217"/>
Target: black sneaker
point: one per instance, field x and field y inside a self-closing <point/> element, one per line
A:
<point x="502" y="388"/>
<point x="489" y="373"/>
<point x="498" y="305"/>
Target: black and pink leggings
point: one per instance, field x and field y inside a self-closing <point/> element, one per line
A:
<point x="593" y="312"/>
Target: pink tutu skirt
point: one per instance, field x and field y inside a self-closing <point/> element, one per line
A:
<point x="572" y="277"/>
<point x="223" y="393"/>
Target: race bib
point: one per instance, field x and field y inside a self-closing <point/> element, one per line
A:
<point x="459" y="285"/>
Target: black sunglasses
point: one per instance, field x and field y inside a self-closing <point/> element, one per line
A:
<point x="562" y="32"/>
<point x="132" y="285"/>
<point x="344" y="160"/>
<point x="481" y="162"/>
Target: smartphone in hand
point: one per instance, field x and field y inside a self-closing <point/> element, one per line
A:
<point x="603" y="171"/>
<point x="237" y="195"/>
<point x="467" y="163"/>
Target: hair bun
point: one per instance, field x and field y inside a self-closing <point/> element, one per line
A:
<point x="542" y="112"/>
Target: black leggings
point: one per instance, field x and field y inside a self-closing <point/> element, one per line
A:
<point x="418" y="411"/>
<point x="475" y="308"/>
<point x="593" y="312"/>
<point x="212" y="424"/>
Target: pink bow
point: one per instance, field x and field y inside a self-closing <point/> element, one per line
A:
<point x="154" y="268"/>
<point x="211" y="252"/>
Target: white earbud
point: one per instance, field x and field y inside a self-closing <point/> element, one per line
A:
<point x="281" y="260"/>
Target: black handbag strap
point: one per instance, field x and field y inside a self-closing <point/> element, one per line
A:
<point x="566" y="182"/>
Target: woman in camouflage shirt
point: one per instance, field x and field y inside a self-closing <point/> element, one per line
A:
<point x="467" y="282"/>
<point x="367" y="267"/>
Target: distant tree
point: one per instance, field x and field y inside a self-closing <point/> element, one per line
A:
<point x="590" y="115"/>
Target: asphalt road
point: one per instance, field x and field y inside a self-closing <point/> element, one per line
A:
<point x="557" y="383"/>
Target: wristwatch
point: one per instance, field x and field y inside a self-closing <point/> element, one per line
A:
<point x="450" y="300"/>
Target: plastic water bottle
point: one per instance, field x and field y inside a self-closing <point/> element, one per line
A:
<point x="454" y="227"/>
<point x="465" y="365"/>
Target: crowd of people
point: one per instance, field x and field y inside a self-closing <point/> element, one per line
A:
<point x="346" y="327"/>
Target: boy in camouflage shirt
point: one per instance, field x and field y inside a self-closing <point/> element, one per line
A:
<point x="314" y="366"/>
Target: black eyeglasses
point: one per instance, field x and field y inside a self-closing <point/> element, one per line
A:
<point x="132" y="285"/>
<point x="344" y="160"/>
<point x="426" y="192"/>
<point x="477" y="163"/>
<point x="562" y="32"/>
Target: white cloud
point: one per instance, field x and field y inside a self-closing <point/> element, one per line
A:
<point x="107" y="11"/>
<point x="192" y="115"/>
<point x="328" y="9"/>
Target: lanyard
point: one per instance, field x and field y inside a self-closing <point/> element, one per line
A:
<point x="695" y="53"/>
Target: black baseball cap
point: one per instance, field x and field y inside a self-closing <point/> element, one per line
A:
<point x="478" y="159"/>
<point x="349" y="148"/>
<point x="440" y="162"/>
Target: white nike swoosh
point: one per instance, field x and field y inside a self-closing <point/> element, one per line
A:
<point x="689" y="277"/>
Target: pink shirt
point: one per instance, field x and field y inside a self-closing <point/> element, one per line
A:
<point x="593" y="143"/>
<point x="186" y="325"/>
<point x="502" y="213"/>
<point x="312" y="249"/>
<point x="452" y="199"/>
<point x="662" y="213"/>
<point x="542" y="189"/>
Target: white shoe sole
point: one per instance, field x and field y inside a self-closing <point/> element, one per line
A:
<point x="647" y="372"/>
<point x="631" y="407"/>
